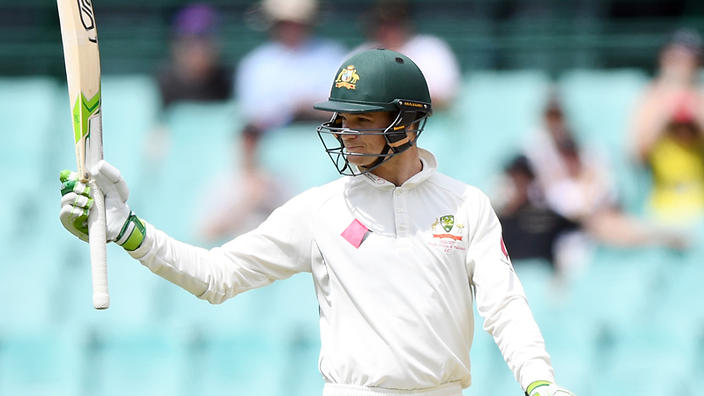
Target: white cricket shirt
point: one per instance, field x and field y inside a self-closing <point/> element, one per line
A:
<point x="396" y="270"/>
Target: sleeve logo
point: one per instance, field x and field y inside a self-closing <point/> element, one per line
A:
<point x="503" y="249"/>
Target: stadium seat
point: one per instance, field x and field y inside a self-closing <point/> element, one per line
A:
<point x="599" y="106"/>
<point x="296" y="154"/>
<point x="247" y="365"/>
<point x="263" y="341"/>
<point x="135" y="301"/>
<point x="30" y="294"/>
<point x="46" y="362"/>
<point x="648" y="358"/>
<point x="130" y="112"/>
<point x="498" y="109"/>
<point x="28" y="124"/>
<point x="28" y="131"/>
<point x="149" y="361"/>
<point x="490" y="374"/>
<point x="200" y="143"/>
<point x="616" y="285"/>
<point x="443" y="134"/>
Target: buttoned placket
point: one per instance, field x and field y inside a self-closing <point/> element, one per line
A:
<point x="402" y="222"/>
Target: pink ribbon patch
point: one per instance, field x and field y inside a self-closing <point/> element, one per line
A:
<point x="355" y="233"/>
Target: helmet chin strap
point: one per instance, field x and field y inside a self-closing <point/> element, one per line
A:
<point x="397" y="139"/>
<point x="382" y="157"/>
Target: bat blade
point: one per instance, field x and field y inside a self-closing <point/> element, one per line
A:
<point x="82" y="59"/>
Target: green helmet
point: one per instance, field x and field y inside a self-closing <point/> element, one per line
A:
<point x="375" y="80"/>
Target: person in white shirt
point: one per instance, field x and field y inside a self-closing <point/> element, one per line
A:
<point x="389" y="25"/>
<point x="398" y="251"/>
<point x="279" y="81"/>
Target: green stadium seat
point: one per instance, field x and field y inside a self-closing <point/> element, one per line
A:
<point x="616" y="284"/>
<point x="135" y="301"/>
<point x="130" y="112"/>
<point x="201" y="142"/>
<point x="497" y="109"/>
<point x="150" y="361"/>
<point x="248" y="365"/>
<point x="648" y="358"/>
<point x="296" y="154"/>
<point x="599" y="105"/>
<point x="443" y="134"/>
<point x="47" y="362"/>
<point x="569" y="340"/>
<point x="29" y="291"/>
<point x="28" y="124"/>
<point x="490" y="374"/>
<point x="263" y="341"/>
<point x="25" y="155"/>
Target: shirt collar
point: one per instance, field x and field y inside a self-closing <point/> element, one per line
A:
<point x="429" y="166"/>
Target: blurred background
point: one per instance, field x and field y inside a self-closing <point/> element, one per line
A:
<point x="582" y="120"/>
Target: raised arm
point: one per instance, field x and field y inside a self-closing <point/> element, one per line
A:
<point x="277" y="249"/>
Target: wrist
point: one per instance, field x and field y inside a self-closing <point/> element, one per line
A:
<point x="536" y="384"/>
<point x="132" y="234"/>
<point x="546" y="388"/>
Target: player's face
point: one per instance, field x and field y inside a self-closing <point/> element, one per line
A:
<point x="364" y="144"/>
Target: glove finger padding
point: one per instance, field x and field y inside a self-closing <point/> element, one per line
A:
<point x="77" y="201"/>
<point x="110" y="181"/>
<point x="70" y="183"/>
<point x="74" y="214"/>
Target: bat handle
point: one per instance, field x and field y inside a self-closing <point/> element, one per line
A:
<point x="97" y="240"/>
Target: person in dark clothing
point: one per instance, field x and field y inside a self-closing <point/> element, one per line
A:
<point x="195" y="71"/>
<point x="530" y="227"/>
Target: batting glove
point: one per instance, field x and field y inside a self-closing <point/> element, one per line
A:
<point x="546" y="388"/>
<point x="123" y="227"/>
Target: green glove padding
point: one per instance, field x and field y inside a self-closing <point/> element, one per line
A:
<point x="546" y="388"/>
<point x="123" y="227"/>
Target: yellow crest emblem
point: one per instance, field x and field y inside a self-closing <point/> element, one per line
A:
<point x="347" y="78"/>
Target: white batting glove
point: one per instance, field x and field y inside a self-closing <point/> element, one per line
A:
<point x="546" y="388"/>
<point x="123" y="227"/>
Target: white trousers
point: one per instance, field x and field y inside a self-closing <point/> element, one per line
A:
<point x="451" y="389"/>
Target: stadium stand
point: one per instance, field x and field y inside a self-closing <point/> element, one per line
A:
<point x="631" y="323"/>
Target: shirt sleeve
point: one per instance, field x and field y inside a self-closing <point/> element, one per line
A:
<point x="277" y="249"/>
<point x="501" y="300"/>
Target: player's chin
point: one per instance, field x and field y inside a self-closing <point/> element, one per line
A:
<point x="360" y="160"/>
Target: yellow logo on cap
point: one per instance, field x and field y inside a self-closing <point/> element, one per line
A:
<point x="347" y="78"/>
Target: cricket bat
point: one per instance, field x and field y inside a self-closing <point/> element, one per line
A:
<point x="80" y="43"/>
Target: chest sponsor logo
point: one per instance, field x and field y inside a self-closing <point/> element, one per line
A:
<point x="445" y="227"/>
<point x="447" y="234"/>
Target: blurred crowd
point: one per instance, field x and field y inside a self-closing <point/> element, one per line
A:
<point x="557" y="197"/>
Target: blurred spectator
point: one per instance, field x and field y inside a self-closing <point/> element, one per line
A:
<point x="279" y="81"/>
<point x="389" y="25"/>
<point x="195" y="71"/>
<point x="530" y="227"/>
<point x="667" y="132"/>
<point x="576" y="184"/>
<point x="240" y="200"/>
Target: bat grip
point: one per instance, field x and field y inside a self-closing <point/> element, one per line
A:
<point x="97" y="240"/>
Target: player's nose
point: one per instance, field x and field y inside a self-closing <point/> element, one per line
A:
<point x="349" y="134"/>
